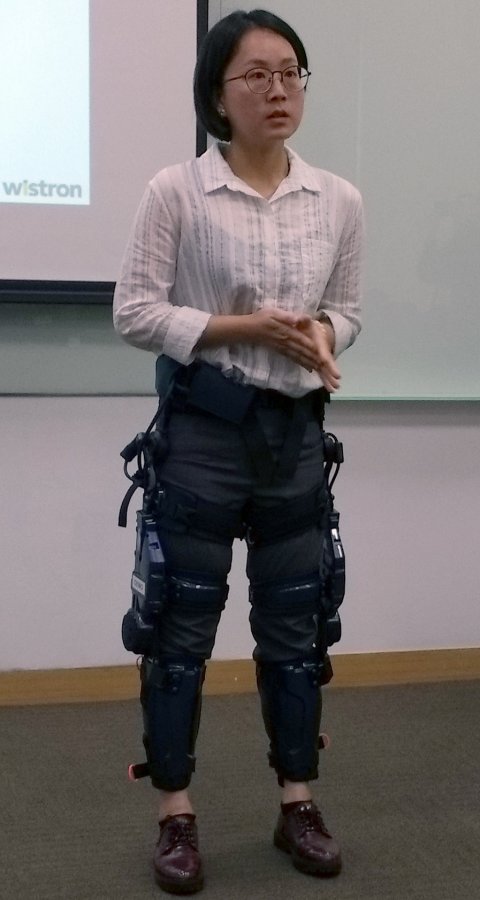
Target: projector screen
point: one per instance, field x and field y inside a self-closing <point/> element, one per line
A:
<point x="96" y="97"/>
<point x="46" y="68"/>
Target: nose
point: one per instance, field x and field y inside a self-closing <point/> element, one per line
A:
<point x="277" y="87"/>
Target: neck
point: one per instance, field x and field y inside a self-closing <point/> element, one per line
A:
<point x="262" y="168"/>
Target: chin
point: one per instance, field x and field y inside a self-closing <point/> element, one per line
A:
<point x="286" y="125"/>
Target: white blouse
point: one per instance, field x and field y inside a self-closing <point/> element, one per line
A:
<point x="204" y="242"/>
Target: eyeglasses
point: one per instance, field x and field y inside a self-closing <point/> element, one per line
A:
<point x="260" y="80"/>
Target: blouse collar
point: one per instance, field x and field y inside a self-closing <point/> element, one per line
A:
<point x="216" y="174"/>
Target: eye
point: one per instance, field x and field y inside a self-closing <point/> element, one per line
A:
<point x="258" y="75"/>
<point x="292" y="74"/>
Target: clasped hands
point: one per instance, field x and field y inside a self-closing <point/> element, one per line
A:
<point x="302" y="339"/>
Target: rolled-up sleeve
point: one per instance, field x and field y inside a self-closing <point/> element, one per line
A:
<point x="142" y="312"/>
<point x="342" y="297"/>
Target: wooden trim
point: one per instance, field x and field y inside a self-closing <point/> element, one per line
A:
<point x="406" y="667"/>
<point x="24" y="688"/>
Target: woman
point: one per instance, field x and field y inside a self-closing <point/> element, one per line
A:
<point x="243" y="268"/>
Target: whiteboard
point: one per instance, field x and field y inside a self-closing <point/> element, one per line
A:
<point x="392" y="105"/>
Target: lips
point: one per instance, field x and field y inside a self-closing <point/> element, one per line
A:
<point x="278" y="114"/>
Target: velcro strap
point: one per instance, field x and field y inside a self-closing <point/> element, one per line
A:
<point x="265" y="526"/>
<point x="300" y="595"/>
<point x="192" y="590"/>
<point x="185" y="513"/>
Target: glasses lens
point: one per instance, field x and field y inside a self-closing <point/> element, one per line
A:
<point x="295" y="78"/>
<point x="259" y="80"/>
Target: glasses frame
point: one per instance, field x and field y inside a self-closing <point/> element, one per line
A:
<point x="280" y="72"/>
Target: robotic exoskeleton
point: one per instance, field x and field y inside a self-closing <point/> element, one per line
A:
<point x="293" y="621"/>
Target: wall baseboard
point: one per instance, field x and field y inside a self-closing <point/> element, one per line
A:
<point x="107" y="683"/>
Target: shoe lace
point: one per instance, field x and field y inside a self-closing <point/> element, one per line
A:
<point x="181" y="833"/>
<point x="310" y="819"/>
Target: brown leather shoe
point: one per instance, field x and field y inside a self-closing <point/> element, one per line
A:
<point x="301" y="832"/>
<point x="177" y="862"/>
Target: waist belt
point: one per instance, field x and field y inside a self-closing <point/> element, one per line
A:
<point x="204" y="388"/>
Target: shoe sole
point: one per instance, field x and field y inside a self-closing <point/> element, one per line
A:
<point x="308" y="866"/>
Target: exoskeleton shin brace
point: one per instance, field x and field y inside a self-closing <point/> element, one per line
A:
<point x="171" y="698"/>
<point x="291" y="709"/>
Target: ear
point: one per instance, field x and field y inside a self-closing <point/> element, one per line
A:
<point x="220" y="106"/>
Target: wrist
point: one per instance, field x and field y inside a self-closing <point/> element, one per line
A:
<point x="224" y="330"/>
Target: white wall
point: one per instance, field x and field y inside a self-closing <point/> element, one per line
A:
<point x="389" y="106"/>
<point x="408" y="496"/>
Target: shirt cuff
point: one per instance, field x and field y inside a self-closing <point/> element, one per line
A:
<point x="185" y="330"/>
<point x="344" y="334"/>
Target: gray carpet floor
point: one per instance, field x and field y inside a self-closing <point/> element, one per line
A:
<point x="399" y="788"/>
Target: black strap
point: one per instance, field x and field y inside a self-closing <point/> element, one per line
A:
<point x="268" y="525"/>
<point x="292" y="444"/>
<point x="261" y="457"/>
<point x="122" y="515"/>
<point x="183" y="512"/>
<point x="204" y="387"/>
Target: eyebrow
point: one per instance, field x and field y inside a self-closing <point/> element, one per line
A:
<point x="263" y="62"/>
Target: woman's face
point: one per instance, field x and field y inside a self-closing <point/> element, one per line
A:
<point x="261" y="119"/>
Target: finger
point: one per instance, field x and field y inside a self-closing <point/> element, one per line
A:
<point x="330" y="366"/>
<point x="299" y="344"/>
<point x="299" y="356"/>
<point x="284" y="316"/>
<point x="330" y="379"/>
<point x="303" y="339"/>
<point x="304" y="357"/>
<point x="329" y="369"/>
<point x="330" y="384"/>
<point x="307" y="360"/>
<point x="303" y="321"/>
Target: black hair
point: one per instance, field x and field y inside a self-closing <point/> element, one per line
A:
<point x="216" y="51"/>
